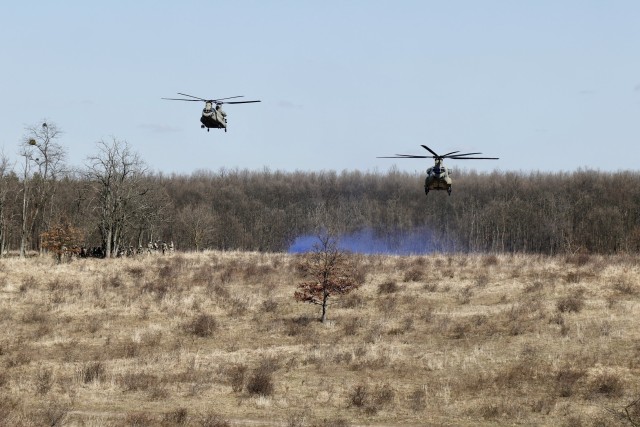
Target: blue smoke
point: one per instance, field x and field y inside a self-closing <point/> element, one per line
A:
<point x="416" y="242"/>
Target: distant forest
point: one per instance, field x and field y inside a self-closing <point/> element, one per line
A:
<point x="113" y="202"/>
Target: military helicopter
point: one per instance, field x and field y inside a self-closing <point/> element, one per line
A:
<point x="212" y="117"/>
<point x="438" y="176"/>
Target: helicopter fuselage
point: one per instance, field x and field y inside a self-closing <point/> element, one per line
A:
<point x="438" y="178"/>
<point x="213" y="118"/>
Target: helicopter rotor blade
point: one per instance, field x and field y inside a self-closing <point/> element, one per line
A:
<point x="237" y="102"/>
<point x="191" y="96"/>
<point x="229" y="97"/>
<point x="403" y="156"/>
<point x="448" y="154"/>
<point x="430" y="150"/>
<point x="461" y="155"/>
<point x="181" y="99"/>
<point x="474" y="158"/>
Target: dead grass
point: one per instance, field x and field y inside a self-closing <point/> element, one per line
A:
<point x="216" y="339"/>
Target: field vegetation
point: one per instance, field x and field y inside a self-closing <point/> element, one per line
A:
<point x="217" y="339"/>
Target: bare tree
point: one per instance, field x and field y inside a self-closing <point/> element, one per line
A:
<point x="43" y="163"/>
<point x="328" y="270"/>
<point x="5" y="169"/>
<point x="117" y="174"/>
<point x="199" y="223"/>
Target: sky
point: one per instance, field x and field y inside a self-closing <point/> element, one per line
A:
<point x="545" y="85"/>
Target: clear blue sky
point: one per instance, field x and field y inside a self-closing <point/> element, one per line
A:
<point x="544" y="85"/>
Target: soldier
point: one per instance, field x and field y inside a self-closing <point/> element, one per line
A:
<point x="171" y="246"/>
<point x="165" y="248"/>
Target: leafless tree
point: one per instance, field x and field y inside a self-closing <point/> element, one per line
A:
<point x="43" y="163"/>
<point x="117" y="175"/>
<point x="198" y="222"/>
<point x="5" y="169"/>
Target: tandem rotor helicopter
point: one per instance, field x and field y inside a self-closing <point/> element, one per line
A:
<point x="212" y="117"/>
<point x="438" y="176"/>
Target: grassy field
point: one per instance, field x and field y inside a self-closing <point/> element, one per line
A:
<point x="217" y="339"/>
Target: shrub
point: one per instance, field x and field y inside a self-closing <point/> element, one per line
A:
<point x="260" y="382"/>
<point x="607" y="384"/>
<point x="139" y="419"/>
<point x="384" y="395"/>
<point x="353" y="301"/>
<point x="535" y="286"/>
<point x="332" y="422"/>
<point x="177" y="417"/>
<point x="579" y="259"/>
<point x="269" y="306"/>
<point x="625" y="288"/>
<point x="430" y="287"/>
<point x="352" y="326"/>
<point x="218" y="290"/>
<point x="482" y="280"/>
<point x="490" y="260"/>
<point x="413" y="275"/>
<point x="359" y="396"/>
<point x="572" y="303"/>
<point x="236" y="375"/>
<point x="388" y="287"/>
<point x="418" y="399"/>
<point x="202" y="325"/>
<point x="43" y="380"/>
<point x="565" y="380"/>
<point x="464" y="296"/>
<point x="297" y="325"/>
<point x="370" y="401"/>
<point x="213" y="420"/>
<point x="136" y="381"/>
<point x="573" y="277"/>
<point x="92" y="371"/>
<point x="53" y="413"/>
<point x="7" y="407"/>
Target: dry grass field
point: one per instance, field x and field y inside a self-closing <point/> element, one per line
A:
<point x="217" y="339"/>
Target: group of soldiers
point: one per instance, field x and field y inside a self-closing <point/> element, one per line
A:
<point x="152" y="248"/>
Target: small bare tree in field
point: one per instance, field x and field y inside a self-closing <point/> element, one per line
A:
<point x="61" y="239"/>
<point x="328" y="271"/>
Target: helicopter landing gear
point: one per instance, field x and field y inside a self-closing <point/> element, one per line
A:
<point x="449" y="190"/>
<point x="201" y="126"/>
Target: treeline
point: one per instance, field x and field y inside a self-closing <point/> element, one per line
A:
<point x="115" y="203"/>
<point x="545" y="213"/>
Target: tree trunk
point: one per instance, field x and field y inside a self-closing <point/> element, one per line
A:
<point x="107" y="249"/>
<point x="325" y="299"/>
